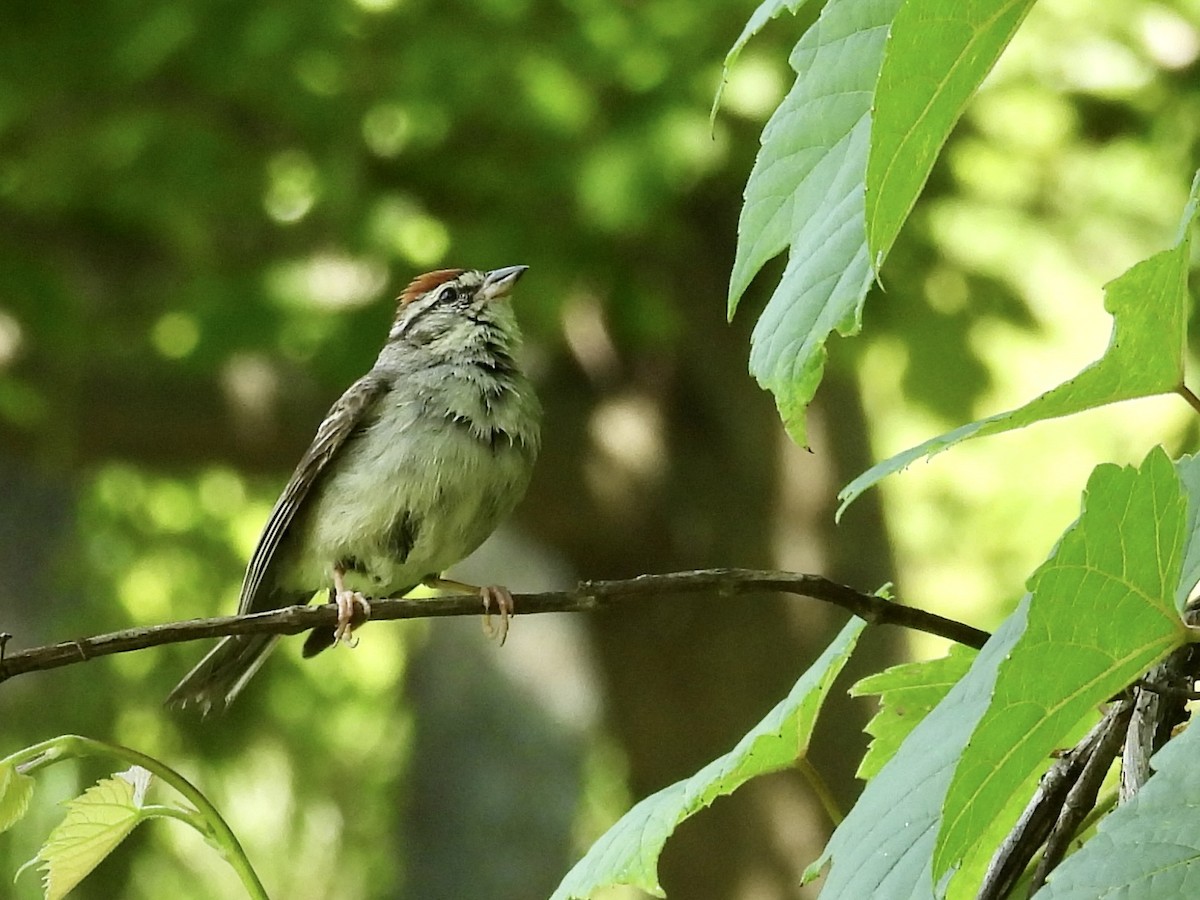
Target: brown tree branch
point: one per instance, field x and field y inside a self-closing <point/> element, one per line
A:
<point x="588" y="596"/>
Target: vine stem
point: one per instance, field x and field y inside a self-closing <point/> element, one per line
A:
<point x="206" y="819"/>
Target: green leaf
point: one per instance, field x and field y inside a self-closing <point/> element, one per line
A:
<point x="1148" y="847"/>
<point x="937" y="53"/>
<point x="1103" y="611"/>
<point x="767" y="10"/>
<point x="96" y="822"/>
<point x="1149" y="306"/>
<point x="907" y="693"/>
<point x="15" y="792"/>
<point x="805" y="193"/>
<point x="628" y="852"/>
<point x="884" y="846"/>
<point x="1188" y="469"/>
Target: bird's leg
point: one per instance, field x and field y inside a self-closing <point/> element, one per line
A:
<point x="490" y="593"/>
<point x="346" y="602"/>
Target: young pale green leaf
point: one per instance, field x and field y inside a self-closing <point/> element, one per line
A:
<point x="937" y="53"/>
<point x="1149" y="847"/>
<point x="906" y="694"/>
<point x="884" y="847"/>
<point x="96" y="822"/>
<point x="1103" y="611"/>
<point x="767" y="10"/>
<point x="628" y="852"/>
<point x="15" y="792"/>
<point x="806" y="192"/>
<point x="1149" y="306"/>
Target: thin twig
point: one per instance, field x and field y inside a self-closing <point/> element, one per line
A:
<point x="1041" y="813"/>
<point x="588" y="596"/>
<point x="1081" y="798"/>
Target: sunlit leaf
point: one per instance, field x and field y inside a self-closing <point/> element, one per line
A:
<point x="937" y="53"/>
<point x="628" y="852"/>
<point x="1103" y="611"/>
<point x="805" y="194"/>
<point x="1149" y="305"/>
<point x="15" y="792"/>
<point x="96" y="822"/>
<point x="907" y="693"/>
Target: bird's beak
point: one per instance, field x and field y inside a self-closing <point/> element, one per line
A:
<point x="499" y="282"/>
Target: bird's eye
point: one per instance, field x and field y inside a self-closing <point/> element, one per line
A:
<point x="448" y="295"/>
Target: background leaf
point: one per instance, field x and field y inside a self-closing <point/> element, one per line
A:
<point x="937" y="53"/>
<point x="1149" y="306"/>
<point x="1102" y="612"/>
<point x="907" y="693"/>
<point x="806" y="192"/>
<point x="628" y="852"/>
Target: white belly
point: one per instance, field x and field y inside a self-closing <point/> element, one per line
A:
<point x="453" y="487"/>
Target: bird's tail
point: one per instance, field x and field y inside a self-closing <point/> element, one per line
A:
<point x="221" y="675"/>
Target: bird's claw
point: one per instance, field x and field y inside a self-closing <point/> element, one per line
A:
<point x="503" y="599"/>
<point x="346" y="602"/>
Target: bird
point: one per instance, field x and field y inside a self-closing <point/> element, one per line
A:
<point x="412" y="468"/>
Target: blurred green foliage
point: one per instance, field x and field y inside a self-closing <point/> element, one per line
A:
<point x="205" y="208"/>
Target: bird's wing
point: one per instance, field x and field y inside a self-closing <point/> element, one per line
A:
<point x="348" y="414"/>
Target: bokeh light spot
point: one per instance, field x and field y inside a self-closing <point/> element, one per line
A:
<point x="175" y="335"/>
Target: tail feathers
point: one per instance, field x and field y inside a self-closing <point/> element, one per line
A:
<point x="222" y="674"/>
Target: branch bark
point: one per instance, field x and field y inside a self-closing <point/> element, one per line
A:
<point x="588" y="596"/>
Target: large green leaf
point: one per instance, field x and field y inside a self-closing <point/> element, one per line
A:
<point x="885" y="845"/>
<point x="907" y="693"/>
<point x="1149" y="847"/>
<point x="628" y="852"/>
<point x="937" y="53"/>
<point x="805" y="193"/>
<point x="1149" y="306"/>
<point x="1103" y="611"/>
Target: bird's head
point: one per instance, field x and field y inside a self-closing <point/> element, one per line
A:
<point x="455" y="308"/>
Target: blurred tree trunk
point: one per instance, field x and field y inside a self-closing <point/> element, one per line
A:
<point x="684" y="680"/>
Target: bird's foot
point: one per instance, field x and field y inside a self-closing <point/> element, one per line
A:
<point x="503" y="598"/>
<point x="491" y="594"/>
<point x="347" y="604"/>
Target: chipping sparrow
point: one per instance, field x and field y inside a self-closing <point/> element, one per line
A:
<point x="412" y="469"/>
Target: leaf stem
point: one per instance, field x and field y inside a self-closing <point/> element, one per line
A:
<point x="1185" y="392"/>
<point x="821" y="789"/>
